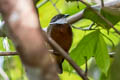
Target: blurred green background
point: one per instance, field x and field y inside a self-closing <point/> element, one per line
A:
<point x="12" y="67"/>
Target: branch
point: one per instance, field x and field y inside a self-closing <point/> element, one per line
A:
<point x="71" y="20"/>
<point x="78" y="16"/>
<point x="8" y="53"/>
<point x="54" y="5"/>
<point x="102" y="3"/>
<point x="65" y="55"/>
<point x="42" y="3"/>
<point x="32" y="48"/>
<point x="108" y="22"/>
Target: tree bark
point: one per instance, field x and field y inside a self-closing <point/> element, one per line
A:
<point x="25" y="32"/>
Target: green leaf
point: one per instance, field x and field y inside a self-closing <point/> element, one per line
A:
<point x="72" y="0"/>
<point x="11" y="66"/>
<point x="115" y="68"/>
<point x="89" y="14"/>
<point x="64" y="7"/>
<point x="85" y="48"/>
<point x="101" y="54"/>
<point x="1" y="45"/>
<point x="47" y="11"/>
<point x="72" y="7"/>
<point x="12" y="47"/>
<point x="92" y="44"/>
<point x="112" y="14"/>
<point x="67" y="76"/>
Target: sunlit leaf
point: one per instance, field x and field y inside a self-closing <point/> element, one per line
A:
<point x="89" y="14"/>
<point x="85" y="48"/>
<point x="101" y="54"/>
<point x="92" y="44"/>
<point x="115" y="68"/>
<point x="71" y="0"/>
<point x="47" y="11"/>
<point x="111" y="14"/>
<point x="68" y="76"/>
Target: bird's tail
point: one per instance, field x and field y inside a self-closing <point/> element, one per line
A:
<point x="60" y="68"/>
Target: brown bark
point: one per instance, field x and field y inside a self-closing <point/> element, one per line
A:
<point x="26" y="34"/>
<point x="24" y="30"/>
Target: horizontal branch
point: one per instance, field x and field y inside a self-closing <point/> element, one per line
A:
<point x="8" y="53"/>
<point x="71" y="20"/>
<point x="112" y="54"/>
<point x="102" y="17"/>
<point x="78" y="16"/>
<point x="33" y="51"/>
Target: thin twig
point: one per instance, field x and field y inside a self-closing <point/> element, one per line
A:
<point x="113" y="45"/>
<point x="108" y="22"/>
<point x="78" y="16"/>
<point x="85" y="29"/>
<point x="102" y="3"/>
<point x="66" y="56"/>
<point x="42" y="3"/>
<point x="8" y="53"/>
<point x="78" y="4"/>
<point x="90" y="27"/>
<point x="54" y="5"/>
<point x="79" y="71"/>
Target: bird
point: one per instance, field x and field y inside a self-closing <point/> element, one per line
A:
<point x="61" y="32"/>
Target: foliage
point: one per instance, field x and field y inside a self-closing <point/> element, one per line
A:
<point x="88" y="44"/>
<point x="92" y="45"/>
<point x="109" y="13"/>
<point x="115" y="65"/>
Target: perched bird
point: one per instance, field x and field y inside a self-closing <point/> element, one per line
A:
<point x="60" y="31"/>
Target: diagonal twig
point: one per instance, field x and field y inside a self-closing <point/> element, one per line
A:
<point x="54" y="5"/>
<point x="107" y="21"/>
<point x="65" y="55"/>
<point x="42" y="3"/>
<point x="8" y="53"/>
<point x="102" y="3"/>
<point x="85" y="29"/>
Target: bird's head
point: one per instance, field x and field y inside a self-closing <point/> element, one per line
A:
<point x="59" y="19"/>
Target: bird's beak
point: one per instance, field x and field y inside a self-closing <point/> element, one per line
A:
<point x="66" y="15"/>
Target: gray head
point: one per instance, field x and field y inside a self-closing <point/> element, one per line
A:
<point x="59" y="19"/>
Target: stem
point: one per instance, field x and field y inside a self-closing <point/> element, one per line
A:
<point x="42" y="3"/>
<point x="108" y="22"/>
<point x="8" y="53"/>
<point x="86" y="66"/>
<point x="65" y="55"/>
<point x="102" y="3"/>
